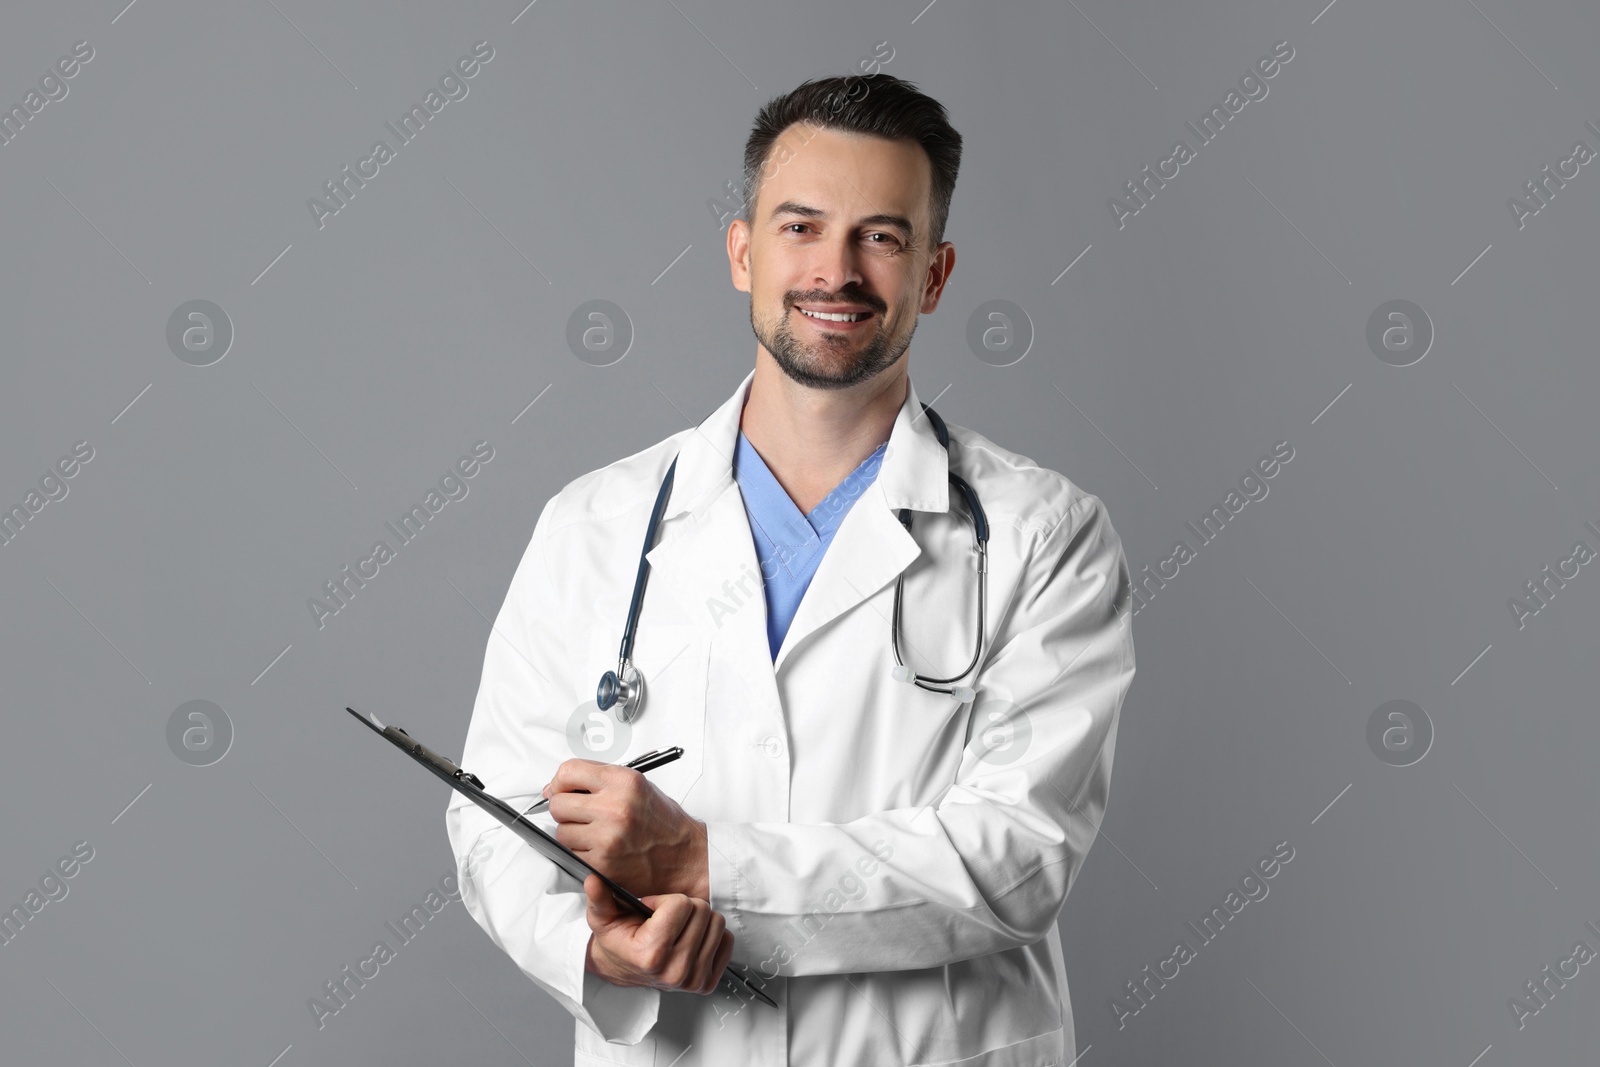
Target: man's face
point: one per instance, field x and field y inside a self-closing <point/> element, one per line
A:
<point x="841" y="225"/>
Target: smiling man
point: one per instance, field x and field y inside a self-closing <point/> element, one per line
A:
<point x="893" y="652"/>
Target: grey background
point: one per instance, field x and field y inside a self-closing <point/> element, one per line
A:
<point x="427" y="315"/>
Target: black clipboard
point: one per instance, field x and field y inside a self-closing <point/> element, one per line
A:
<point x="469" y="786"/>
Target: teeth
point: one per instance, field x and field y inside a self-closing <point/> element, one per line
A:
<point x="849" y="316"/>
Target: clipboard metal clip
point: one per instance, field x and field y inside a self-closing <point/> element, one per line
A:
<point x="443" y="766"/>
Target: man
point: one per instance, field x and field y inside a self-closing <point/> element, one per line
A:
<point x="886" y="860"/>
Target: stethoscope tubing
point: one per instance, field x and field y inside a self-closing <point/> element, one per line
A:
<point x="624" y="687"/>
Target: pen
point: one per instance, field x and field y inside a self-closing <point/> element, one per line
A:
<point x="643" y="764"/>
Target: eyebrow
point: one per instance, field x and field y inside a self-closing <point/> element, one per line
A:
<point x="793" y="207"/>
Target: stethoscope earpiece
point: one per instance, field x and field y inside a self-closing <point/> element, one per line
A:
<point x="962" y="694"/>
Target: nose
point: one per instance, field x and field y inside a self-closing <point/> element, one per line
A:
<point x="836" y="263"/>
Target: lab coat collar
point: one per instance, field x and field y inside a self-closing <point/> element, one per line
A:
<point x="914" y="473"/>
<point x="716" y="552"/>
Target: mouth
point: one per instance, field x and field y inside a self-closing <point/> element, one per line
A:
<point x="836" y="318"/>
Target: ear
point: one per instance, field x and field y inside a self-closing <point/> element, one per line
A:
<point x="739" y="254"/>
<point x="939" y="268"/>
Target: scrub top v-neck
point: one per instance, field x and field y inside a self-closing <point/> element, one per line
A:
<point x="789" y="544"/>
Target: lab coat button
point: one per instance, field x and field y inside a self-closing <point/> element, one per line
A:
<point x="772" y="746"/>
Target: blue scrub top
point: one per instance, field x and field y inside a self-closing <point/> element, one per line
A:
<point x="789" y="545"/>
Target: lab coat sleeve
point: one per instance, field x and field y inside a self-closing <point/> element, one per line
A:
<point x="516" y="739"/>
<point x="989" y="865"/>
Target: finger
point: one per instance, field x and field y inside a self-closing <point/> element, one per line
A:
<point x="573" y="807"/>
<point x="672" y="913"/>
<point x="723" y="958"/>
<point x="685" y="973"/>
<point x="706" y="952"/>
<point x="576" y="836"/>
<point x="705" y="978"/>
<point x="574" y="774"/>
<point x="603" y="911"/>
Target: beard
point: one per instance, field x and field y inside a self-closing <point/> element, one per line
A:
<point x="827" y="363"/>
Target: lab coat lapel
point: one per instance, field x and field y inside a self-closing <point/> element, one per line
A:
<point x="705" y="554"/>
<point x="869" y="551"/>
<point x="712" y="570"/>
<point x="871" y="548"/>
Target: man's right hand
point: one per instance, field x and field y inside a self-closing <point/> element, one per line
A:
<point x="683" y="946"/>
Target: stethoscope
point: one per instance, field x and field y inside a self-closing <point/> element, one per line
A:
<point x="623" y="688"/>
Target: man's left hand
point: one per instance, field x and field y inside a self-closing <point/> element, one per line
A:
<point x="628" y="829"/>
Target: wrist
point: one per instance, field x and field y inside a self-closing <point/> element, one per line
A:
<point x="696" y="875"/>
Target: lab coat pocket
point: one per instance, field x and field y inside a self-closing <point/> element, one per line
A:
<point x="591" y="1050"/>
<point x="1044" y="1050"/>
<point x="673" y="658"/>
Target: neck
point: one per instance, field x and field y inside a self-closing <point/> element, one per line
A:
<point x="812" y="438"/>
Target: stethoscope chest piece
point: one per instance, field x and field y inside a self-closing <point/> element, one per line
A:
<point x="625" y="693"/>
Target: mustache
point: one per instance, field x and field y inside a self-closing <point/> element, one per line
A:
<point x="840" y="298"/>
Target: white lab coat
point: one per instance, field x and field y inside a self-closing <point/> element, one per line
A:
<point x="890" y="868"/>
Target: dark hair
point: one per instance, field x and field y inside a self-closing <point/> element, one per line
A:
<point x="878" y="104"/>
